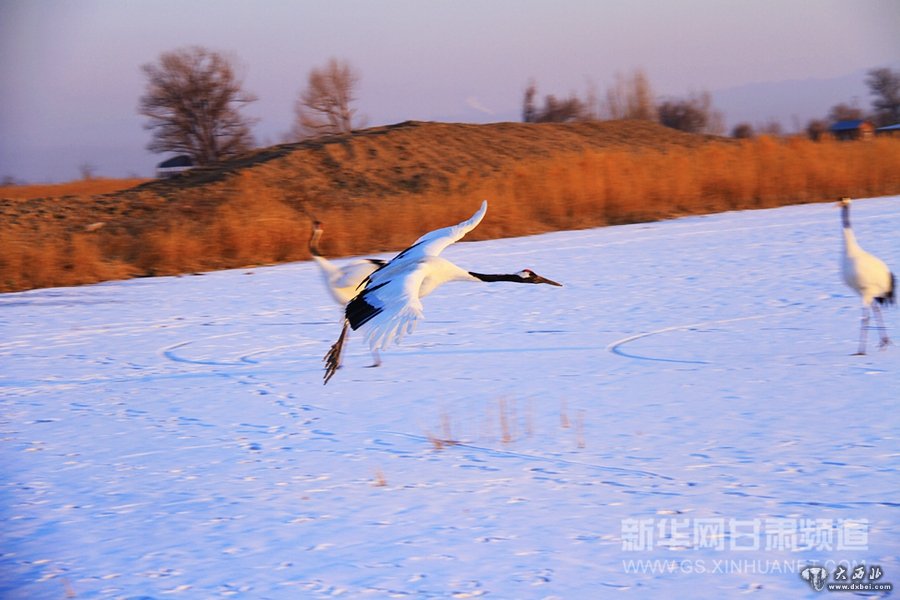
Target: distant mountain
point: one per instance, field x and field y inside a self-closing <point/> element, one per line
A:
<point x="792" y="103"/>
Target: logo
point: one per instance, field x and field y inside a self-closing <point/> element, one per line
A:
<point x="815" y="577"/>
<point x="846" y="578"/>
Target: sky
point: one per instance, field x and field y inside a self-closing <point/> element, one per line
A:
<point x="70" y="71"/>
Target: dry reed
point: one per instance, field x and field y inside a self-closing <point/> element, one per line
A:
<point x="253" y="219"/>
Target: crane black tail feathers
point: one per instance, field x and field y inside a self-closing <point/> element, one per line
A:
<point x="333" y="358"/>
<point x="890" y="297"/>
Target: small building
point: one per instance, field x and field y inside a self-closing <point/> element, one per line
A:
<point x="852" y="129"/>
<point x="173" y="166"/>
<point x="889" y="130"/>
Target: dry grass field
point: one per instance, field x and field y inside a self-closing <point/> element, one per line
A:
<point x="379" y="189"/>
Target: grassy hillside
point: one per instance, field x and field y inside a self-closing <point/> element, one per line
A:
<point x="83" y="188"/>
<point x="379" y="189"/>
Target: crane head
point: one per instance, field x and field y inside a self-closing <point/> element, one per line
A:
<point x="844" y="202"/>
<point x="529" y="276"/>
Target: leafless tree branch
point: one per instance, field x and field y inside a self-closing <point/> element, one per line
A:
<point x="193" y="100"/>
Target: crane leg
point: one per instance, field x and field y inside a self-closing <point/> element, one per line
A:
<point x="863" y="328"/>
<point x="333" y="358"/>
<point x="885" y="340"/>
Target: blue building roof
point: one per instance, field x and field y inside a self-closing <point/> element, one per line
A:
<point x="848" y="125"/>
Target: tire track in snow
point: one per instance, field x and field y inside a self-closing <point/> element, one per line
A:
<point x="172" y="353"/>
<point x="616" y="347"/>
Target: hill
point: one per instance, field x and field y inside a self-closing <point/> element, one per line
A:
<point x="417" y="157"/>
<point x="379" y="189"/>
<point x="382" y="162"/>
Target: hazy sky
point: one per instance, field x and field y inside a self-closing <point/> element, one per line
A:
<point x="70" y="73"/>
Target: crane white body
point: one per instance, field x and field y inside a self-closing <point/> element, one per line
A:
<point x="865" y="273"/>
<point x="390" y="305"/>
<point x="868" y="276"/>
<point x="345" y="281"/>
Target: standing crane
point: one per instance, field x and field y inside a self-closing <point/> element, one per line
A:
<point x="343" y="282"/>
<point x="868" y="276"/>
<point x="390" y="303"/>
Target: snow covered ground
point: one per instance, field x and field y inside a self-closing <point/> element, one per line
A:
<point x="682" y="419"/>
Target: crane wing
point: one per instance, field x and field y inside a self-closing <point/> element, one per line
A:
<point x="390" y="306"/>
<point x="434" y="242"/>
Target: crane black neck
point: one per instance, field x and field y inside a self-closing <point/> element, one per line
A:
<point x="491" y="277"/>
<point x="845" y="216"/>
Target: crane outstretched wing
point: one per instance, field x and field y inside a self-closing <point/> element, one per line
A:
<point x="434" y="242"/>
<point x="390" y="306"/>
<point x="389" y="303"/>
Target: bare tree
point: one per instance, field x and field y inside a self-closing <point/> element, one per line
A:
<point x="591" y="102"/>
<point x="816" y="129"/>
<point x="563" y="110"/>
<point x="529" y="111"/>
<point x="325" y="106"/>
<point x="844" y="112"/>
<point x="694" y="114"/>
<point x="88" y="171"/>
<point x="556" y="110"/>
<point x="743" y="131"/>
<point x="884" y="84"/>
<point x="630" y="98"/>
<point x="193" y="100"/>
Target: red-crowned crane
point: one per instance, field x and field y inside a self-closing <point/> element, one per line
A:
<point x="390" y="304"/>
<point x="343" y="282"/>
<point x="869" y="276"/>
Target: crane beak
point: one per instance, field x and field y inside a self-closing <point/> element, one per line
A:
<point x="539" y="279"/>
